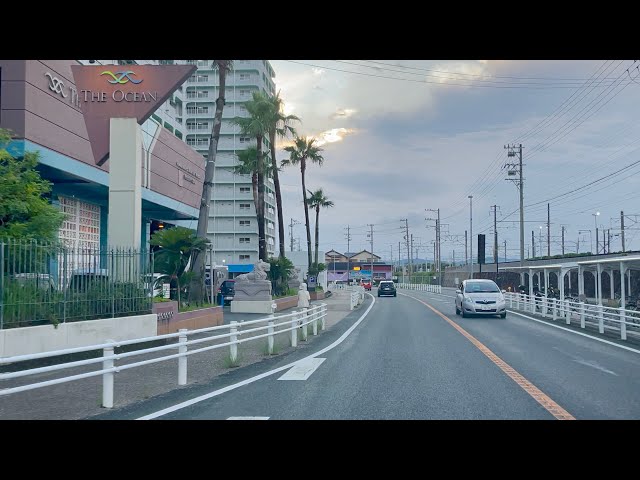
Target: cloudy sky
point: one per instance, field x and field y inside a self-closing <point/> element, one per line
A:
<point x="434" y="133"/>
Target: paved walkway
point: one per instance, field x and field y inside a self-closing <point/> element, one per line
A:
<point x="82" y="398"/>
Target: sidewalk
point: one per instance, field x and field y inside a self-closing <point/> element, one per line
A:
<point x="82" y="398"/>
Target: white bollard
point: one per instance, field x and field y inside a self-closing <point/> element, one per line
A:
<point x="305" y="315"/>
<point x="545" y="302"/>
<point x="582" y="315"/>
<point x="234" y="338"/>
<point x="294" y="331"/>
<point x="553" y="309"/>
<point x="600" y="318"/>
<point x="623" y="324"/>
<point x="107" y="378"/>
<point x="182" y="361"/>
<point x="324" y="314"/>
<point x="567" y="312"/>
<point x="270" y="331"/>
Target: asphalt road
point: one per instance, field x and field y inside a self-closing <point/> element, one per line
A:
<point x="404" y="361"/>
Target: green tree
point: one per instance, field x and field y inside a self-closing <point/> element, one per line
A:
<point x="177" y="246"/>
<point x="279" y="126"/>
<point x="197" y="282"/>
<point x="256" y="125"/>
<point x="248" y="165"/>
<point x="318" y="200"/>
<point x="280" y="273"/>
<point x="25" y="211"/>
<point x="303" y="150"/>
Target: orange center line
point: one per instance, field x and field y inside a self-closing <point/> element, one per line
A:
<point x="538" y="395"/>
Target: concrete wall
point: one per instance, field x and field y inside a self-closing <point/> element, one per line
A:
<point x="45" y="338"/>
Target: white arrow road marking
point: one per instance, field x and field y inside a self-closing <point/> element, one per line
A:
<point x="303" y="370"/>
<point x="248" y="418"/>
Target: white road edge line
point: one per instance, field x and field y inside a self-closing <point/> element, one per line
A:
<point x="248" y="418"/>
<point x="228" y="388"/>
<point x="577" y="333"/>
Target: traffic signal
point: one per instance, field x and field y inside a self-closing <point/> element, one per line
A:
<point x="481" y="249"/>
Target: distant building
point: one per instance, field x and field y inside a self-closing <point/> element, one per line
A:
<point x="359" y="265"/>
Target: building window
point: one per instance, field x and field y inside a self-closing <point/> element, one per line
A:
<point x="245" y="257"/>
<point x="245" y="139"/>
<point x="245" y="206"/>
<point x="245" y="223"/>
<point x="199" y="78"/>
<point x="245" y="76"/>
<point x="245" y="240"/>
<point x="244" y="93"/>
<point x="197" y="110"/>
<point x="245" y="189"/>
<point x="81" y="226"/>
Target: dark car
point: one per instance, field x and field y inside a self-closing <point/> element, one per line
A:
<point x="226" y="292"/>
<point x="387" y="287"/>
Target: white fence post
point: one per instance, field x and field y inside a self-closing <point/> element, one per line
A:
<point x="294" y="331"/>
<point x="324" y="314"/>
<point x="567" y="312"/>
<point x="582" y="315"/>
<point x="305" y="316"/>
<point x="545" y="302"/>
<point x="315" y="321"/>
<point x="553" y="309"/>
<point x="600" y="319"/>
<point x="234" y="338"/>
<point x="270" y="331"/>
<point x="623" y="323"/>
<point x="107" y="378"/>
<point x="182" y="361"/>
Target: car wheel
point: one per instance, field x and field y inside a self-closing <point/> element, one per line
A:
<point x="464" y="314"/>
<point x="503" y="315"/>
<point x="395" y="294"/>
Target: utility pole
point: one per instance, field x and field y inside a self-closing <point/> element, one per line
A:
<point x="597" y="241"/>
<point x="548" y="229"/>
<point x="466" y="251"/>
<point x="371" y="237"/>
<point x="293" y="222"/>
<point x="505" y="251"/>
<point x="622" y="229"/>
<point x="400" y="265"/>
<point x="411" y="258"/>
<point x="533" y="244"/>
<point x="495" y="238"/>
<point x="563" y="240"/>
<point x="515" y="172"/>
<point x="471" y="236"/>
<point x="438" y="256"/>
<point x="406" y="238"/>
<point x="348" y="259"/>
<point x="608" y="240"/>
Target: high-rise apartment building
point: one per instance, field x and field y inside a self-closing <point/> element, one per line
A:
<point x="232" y="227"/>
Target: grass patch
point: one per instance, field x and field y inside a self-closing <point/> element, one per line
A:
<point x="228" y="363"/>
<point x="276" y="348"/>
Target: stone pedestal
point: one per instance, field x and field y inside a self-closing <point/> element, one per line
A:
<point x="251" y="306"/>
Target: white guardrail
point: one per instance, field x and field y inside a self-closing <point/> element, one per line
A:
<point x="421" y="287"/>
<point x="291" y="322"/>
<point x="357" y="296"/>
<point x="619" y="320"/>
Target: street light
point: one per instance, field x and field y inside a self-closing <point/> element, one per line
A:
<point x="540" y="241"/>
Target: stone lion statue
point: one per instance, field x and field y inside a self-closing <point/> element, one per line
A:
<point x="259" y="273"/>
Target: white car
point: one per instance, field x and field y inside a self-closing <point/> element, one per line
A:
<point x="480" y="297"/>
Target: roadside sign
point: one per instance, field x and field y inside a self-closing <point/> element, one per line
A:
<point x="166" y="290"/>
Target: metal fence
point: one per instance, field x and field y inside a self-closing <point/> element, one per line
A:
<point x="51" y="283"/>
<point x="619" y="320"/>
<point x="421" y="287"/>
<point x="238" y="333"/>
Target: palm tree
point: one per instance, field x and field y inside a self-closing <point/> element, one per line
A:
<point x="256" y="126"/>
<point x="197" y="286"/>
<point x="316" y="200"/>
<point x="177" y="246"/>
<point x="303" y="150"/>
<point x="248" y="165"/>
<point x="279" y="126"/>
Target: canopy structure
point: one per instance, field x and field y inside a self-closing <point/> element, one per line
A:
<point x="623" y="265"/>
